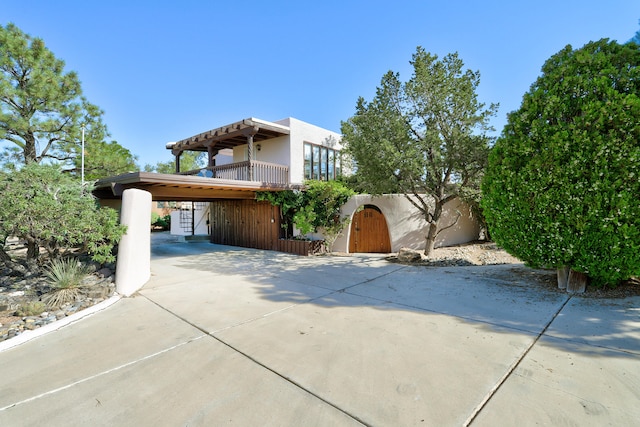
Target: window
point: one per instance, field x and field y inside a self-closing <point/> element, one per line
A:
<point x="315" y="161"/>
<point x="321" y="163"/>
<point x="307" y="160"/>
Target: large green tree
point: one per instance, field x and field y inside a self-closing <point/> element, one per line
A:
<point x="562" y="186"/>
<point x="42" y="109"/>
<point x="189" y="160"/>
<point x="103" y="159"/>
<point x="426" y="138"/>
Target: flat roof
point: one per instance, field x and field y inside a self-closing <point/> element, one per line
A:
<point x="169" y="187"/>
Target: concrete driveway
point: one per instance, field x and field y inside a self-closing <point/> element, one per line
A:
<point x="224" y="335"/>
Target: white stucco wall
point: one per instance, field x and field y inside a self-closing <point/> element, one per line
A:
<point x="201" y="217"/>
<point x="289" y="150"/>
<point x="407" y="227"/>
<point x="301" y="132"/>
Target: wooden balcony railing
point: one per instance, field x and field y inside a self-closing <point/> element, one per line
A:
<point x="253" y="170"/>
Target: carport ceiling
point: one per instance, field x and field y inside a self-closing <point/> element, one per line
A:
<point x="165" y="187"/>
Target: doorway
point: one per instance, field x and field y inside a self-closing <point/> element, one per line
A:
<point x="369" y="232"/>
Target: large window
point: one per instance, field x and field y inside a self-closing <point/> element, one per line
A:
<point x="321" y="163"/>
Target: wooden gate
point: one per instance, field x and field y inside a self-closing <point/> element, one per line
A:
<point x="245" y="223"/>
<point x="369" y="232"/>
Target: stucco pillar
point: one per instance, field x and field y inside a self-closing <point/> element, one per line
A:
<point x="133" y="265"/>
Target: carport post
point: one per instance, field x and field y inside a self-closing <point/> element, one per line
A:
<point x="133" y="264"/>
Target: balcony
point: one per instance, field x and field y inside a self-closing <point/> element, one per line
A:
<point x="254" y="170"/>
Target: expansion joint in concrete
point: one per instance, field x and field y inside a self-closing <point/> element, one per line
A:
<point x="513" y="367"/>
<point x="262" y="365"/>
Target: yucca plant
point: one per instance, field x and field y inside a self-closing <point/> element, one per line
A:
<point x="65" y="278"/>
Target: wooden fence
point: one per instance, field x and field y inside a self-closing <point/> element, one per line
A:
<point x="252" y="224"/>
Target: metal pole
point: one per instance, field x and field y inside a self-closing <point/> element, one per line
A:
<point x="82" y="164"/>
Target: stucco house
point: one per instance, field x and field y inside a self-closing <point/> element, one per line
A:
<point x="256" y="155"/>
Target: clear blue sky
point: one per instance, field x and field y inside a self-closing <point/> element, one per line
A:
<point x="167" y="70"/>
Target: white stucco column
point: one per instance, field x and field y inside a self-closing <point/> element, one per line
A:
<point x="133" y="265"/>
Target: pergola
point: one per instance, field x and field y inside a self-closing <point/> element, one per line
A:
<point x="247" y="131"/>
<point x="189" y="187"/>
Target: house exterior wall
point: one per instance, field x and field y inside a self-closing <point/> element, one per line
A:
<point x="407" y="226"/>
<point x="301" y="132"/>
<point x="288" y="150"/>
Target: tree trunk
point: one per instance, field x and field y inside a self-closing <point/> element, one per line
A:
<point x="4" y="256"/>
<point x="29" y="151"/>
<point x="577" y="282"/>
<point x="430" y="239"/>
<point x="33" y="249"/>
<point x="432" y="233"/>
<point x="563" y="276"/>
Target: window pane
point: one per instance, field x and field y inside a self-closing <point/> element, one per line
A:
<point x="307" y="161"/>
<point x="316" y="162"/>
<point x="323" y="163"/>
<point x="330" y="167"/>
<point x="338" y="166"/>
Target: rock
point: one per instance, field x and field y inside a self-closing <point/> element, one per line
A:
<point x="98" y="292"/>
<point x="104" y="272"/>
<point x="409" y="255"/>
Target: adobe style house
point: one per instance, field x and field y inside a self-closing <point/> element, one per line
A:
<point x="256" y="155"/>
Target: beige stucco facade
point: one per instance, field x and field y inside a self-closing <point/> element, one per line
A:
<point x="407" y="226"/>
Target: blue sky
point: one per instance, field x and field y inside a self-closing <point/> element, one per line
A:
<point x="167" y="70"/>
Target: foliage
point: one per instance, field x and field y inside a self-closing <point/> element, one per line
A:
<point x="189" y="160"/>
<point x="289" y="201"/>
<point x="163" y="222"/>
<point x="104" y="159"/>
<point x="424" y="138"/>
<point x="49" y="209"/>
<point x="42" y="110"/>
<point x="315" y="209"/>
<point x="320" y="210"/>
<point x="65" y="278"/>
<point x="562" y="186"/>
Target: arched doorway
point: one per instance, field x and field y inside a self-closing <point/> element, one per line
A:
<point x="369" y="232"/>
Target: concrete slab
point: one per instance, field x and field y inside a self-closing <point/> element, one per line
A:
<point x="130" y="329"/>
<point x="388" y="364"/>
<point x="606" y="323"/>
<point x="200" y="383"/>
<point x="225" y="301"/>
<point x="329" y="341"/>
<point x="467" y="292"/>
<point x="569" y="384"/>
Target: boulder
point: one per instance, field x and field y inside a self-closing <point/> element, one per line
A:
<point x="409" y="255"/>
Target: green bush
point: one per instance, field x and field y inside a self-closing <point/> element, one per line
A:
<point x="162" y="222"/>
<point x="562" y="186"/>
<point x="317" y="208"/>
<point x="49" y="209"/>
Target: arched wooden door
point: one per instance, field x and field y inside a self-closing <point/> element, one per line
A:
<point x="369" y="232"/>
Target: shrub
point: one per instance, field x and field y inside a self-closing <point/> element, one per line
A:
<point x="32" y="308"/>
<point x="65" y="279"/>
<point x="50" y="209"/>
<point x="317" y="208"/>
<point x="162" y="222"/>
<point x="562" y="186"/>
